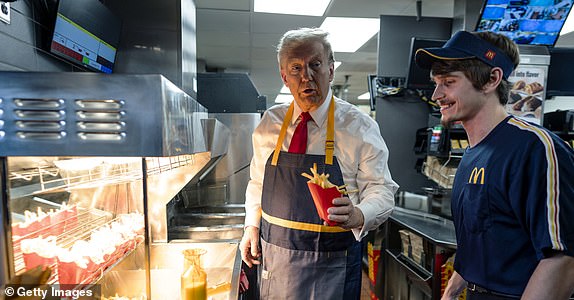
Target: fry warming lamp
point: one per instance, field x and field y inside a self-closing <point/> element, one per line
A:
<point x="88" y="165"/>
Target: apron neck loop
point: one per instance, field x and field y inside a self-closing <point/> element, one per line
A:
<point x="329" y="141"/>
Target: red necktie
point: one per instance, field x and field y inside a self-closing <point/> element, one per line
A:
<point x="299" y="139"/>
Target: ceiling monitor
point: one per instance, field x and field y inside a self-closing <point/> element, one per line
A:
<point x="559" y="80"/>
<point x="530" y="22"/>
<point x="86" y="33"/>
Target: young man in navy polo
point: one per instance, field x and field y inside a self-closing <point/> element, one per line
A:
<point x="514" y="190"/>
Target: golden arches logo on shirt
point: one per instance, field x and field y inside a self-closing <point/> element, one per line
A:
<point x="475" y="174"/>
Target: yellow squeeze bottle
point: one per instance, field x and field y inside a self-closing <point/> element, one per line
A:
<point x="194" y="278"/>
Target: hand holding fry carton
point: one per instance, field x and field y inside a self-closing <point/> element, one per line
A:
<point x="323" y="193"/>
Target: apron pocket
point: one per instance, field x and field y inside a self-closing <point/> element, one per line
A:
<point x="296" y="274"/>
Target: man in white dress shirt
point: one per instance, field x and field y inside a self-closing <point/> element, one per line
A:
<point x="301" y="256"/>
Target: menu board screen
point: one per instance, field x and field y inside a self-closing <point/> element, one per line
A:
<point x="532" y="22"/>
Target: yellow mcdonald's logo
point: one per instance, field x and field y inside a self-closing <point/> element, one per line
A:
<point x="474" y="176"/>
<point x="490" y="54"/>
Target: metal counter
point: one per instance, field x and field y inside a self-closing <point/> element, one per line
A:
<point x="437" y="229"/>
<point x="416" y="244"/>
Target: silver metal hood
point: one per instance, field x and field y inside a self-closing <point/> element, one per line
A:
<point x="92" y="114"/>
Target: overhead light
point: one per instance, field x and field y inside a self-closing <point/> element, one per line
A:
<point x="349" y="34"/>
<point x="292" y="7"/>
<point x="568" y="25"/>
<point x="283" y="98"/>
<point x="365" y="96"/>
<point x="337" y="64"/>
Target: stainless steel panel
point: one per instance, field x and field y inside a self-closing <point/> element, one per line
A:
<point x="234" y="167"/>
<point x="213" y="222"/>
<point x="217" y="136"/>
<point x="90" y="114"/>
<point x="6" y="258"/>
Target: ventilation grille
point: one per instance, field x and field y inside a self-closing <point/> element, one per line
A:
<point x="48" y="119"/>
<point x="100" y="120"/>
<point x="40" y="119"/>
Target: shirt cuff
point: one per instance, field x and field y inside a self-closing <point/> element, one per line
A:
<point x="252" y="219"/>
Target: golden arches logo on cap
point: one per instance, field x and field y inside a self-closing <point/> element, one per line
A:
<point x="490" y="54"/>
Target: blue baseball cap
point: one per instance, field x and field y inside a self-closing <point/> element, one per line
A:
<point x="465" y="45"/>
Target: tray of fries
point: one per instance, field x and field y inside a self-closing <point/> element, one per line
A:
<point x="323" y="192"/>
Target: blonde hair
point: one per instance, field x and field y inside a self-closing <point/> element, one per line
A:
<point x="294" y="38"/>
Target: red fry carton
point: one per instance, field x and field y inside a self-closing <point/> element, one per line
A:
<point x="323" y="199"/>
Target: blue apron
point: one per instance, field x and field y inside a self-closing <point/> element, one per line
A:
<point x="302" y="258"/>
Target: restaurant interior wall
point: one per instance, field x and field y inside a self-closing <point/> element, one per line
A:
<point x="399" y="117"/>
<point x="158" y="37"/>
<point x="24" y="38"/>
<point x="152" y="40"/>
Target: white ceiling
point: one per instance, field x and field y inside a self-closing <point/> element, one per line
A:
<point x="233" y="38"/>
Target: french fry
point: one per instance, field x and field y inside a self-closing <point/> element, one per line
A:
<point x="322" y="180"/>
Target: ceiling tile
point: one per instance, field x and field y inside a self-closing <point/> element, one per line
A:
<point x="220" y="20"/>
<point x="277" y="23"/>
<point x="266" y="40"/>
<point x="223" y="39"/>
<point x="362" y="8"/>
<point x="244" y="5"/>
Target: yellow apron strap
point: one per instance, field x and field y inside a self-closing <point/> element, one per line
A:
<point x="329" y="142"/>
<point x="301" y="225"/>
<point x="286" y="121"/>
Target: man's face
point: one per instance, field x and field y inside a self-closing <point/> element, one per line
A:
<point x="457" y="97"/>
<point x="307" y="72"/>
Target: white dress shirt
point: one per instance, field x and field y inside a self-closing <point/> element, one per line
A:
<point x="359" y="148"/>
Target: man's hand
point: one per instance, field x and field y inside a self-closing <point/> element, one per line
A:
<point x="345" y="213"/>
<point x="249" y="246"/>
<point x="456" y="284"/>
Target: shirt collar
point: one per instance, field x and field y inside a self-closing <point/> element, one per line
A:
<point x="319" y="115"/>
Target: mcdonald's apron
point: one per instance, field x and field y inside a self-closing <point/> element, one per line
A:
<point x="302" y="258"/>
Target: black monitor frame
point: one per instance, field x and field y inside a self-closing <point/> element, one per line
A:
<point x="560" y="72"/>
<point x="86" y="33"/>
<point x="417" y="77"/>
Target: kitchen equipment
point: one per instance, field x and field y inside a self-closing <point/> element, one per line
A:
<point x="88" y="163"/>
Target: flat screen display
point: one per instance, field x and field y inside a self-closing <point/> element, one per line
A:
<point x="418" y="78"/>
<point x="86" y="33"/>
<point x="531" y="22"/>
<point x="560" y="77"/>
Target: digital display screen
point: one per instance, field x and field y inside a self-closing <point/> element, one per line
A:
<point x="559" y="82"/>
<point x="86" y="33"/>
<point x="532" y="22"/>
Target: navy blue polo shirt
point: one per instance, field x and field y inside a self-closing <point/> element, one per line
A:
<point x="511" y="198"/>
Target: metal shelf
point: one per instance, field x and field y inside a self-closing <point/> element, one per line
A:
<point x="410" y="265"/>
<point x="79" y="173"/>
<point x="79" y="228"/>
<point x="442" y="174"/>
